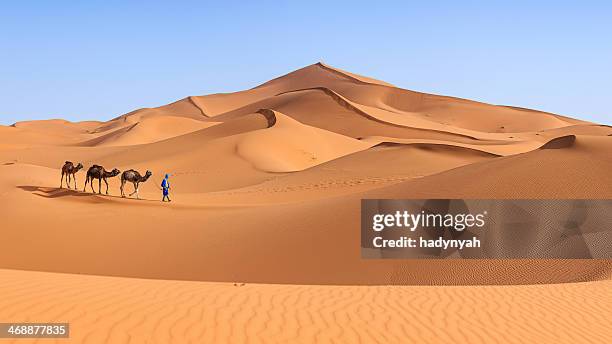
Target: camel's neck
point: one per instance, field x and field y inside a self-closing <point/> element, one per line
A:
<point x="144" y="179"/>
<point x="109" y="174"/>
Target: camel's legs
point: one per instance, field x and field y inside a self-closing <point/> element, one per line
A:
<point x="62" y="180"/>
<point x="100" y="186"/>
<point x="68" y="180"/>
<point x="91" y="185"/>
<point x="88" y="179"/>
<point x="135" y="191"/>
<point x="105" y="182"/>
<point x="75" y="184"/>
<point x="121" y="187"/>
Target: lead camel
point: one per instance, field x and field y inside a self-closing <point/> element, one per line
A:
<point x="135" y="178"/>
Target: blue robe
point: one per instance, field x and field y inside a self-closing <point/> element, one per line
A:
<point x="165" y="186"/>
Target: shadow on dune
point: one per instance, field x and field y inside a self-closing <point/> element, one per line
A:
<point x="51" y="192"/>
<point x="560" y="142"/>
<point x="48" y="192"/>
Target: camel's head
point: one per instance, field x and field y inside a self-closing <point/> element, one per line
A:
<point x="148" y="174"/>
<point x="79" y="166"/>
<point x="115" y="172"/>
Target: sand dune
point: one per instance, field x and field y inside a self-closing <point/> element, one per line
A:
<point x="57" y="126"/>
<point x="149" y="130"/>
<point x="580" y="171"/>
<point x="498" y="148"/>
<point x="409" y="119"/>
<point x="216" y="104"/>
<point x="379" y="95"/>
<point x="266" y="188"/>
<point x="55" y="132"/>
<point x="302" y="146"/>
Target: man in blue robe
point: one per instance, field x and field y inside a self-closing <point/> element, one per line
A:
<point x="165" y="188"/>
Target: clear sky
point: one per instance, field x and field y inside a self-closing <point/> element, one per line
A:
<point x="99" y="59"/>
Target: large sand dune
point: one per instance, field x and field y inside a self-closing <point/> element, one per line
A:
<point x="267" y="184"/>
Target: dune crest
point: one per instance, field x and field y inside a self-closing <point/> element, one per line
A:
<point x="496" y="148"/>
<point x="352" y="76"/>
<point x="560" y="142"/>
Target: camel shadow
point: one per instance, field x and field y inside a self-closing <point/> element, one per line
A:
<point x="53" y="192"/>
<point x="50" y="192"/>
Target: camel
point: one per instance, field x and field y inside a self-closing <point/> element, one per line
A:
<point x="98" y="172"/>
<point x="69" y="170"/>
<point x="135" y="178"/>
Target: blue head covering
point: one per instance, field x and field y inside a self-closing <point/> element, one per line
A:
<point x="167" y="175"/>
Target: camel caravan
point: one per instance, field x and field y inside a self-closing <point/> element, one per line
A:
<point x="98" y="172"/>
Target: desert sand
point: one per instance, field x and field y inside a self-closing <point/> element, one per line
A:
<point x="266" y="190"/>
<point x="130" y="310"/>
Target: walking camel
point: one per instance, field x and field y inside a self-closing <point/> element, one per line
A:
<point x="98" y="172"/>
<point x="69" y="170"/>
<point x="135" y="178"/>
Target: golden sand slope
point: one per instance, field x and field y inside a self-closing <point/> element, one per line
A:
<point x="581" y="170"/>
<point x="125" y="310"/>
<point x="289" y="146"/>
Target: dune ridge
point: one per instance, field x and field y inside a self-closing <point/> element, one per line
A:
<point x="196" y="103"/>
<point x="499" y="149"/>
<point x="358" y="109"/>
<point x="148" y="130"/>
<point x="403" y="119"/>
<point x="354" y="77"/>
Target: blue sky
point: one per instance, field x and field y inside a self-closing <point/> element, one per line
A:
<point x="100" y="59"/>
